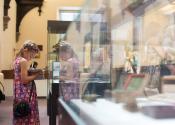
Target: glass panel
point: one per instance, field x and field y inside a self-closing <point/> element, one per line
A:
<point x="126" y="52"/>
<point x="142" y="37"/>
<point x="90" y="40"/>
<point x="52" y="59"/>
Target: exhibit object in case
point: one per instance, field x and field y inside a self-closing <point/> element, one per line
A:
<point x="56" y="72"/>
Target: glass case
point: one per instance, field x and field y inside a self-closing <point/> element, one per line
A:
<point x="90" y="39"/>
<point x="123" y="42"/>
<point x="126" y="53"/>
<point x="52" y="57"/>
<point x="55" y="29"/>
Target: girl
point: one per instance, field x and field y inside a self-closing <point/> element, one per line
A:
<point x="69" y="72"/>
<point x="22" y="83"/>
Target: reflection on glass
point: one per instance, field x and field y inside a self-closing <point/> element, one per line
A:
<point x="129" y="52"/>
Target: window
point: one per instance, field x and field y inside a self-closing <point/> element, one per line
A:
<point x="68" y="13"/>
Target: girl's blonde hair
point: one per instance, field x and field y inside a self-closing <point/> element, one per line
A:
<point x="30" y="46"/>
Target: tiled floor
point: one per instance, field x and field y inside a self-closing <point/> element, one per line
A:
<point x="6" y="111"/>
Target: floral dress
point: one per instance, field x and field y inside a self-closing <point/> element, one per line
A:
<point x="70" y="89"/>
<point x="22" y="92"/>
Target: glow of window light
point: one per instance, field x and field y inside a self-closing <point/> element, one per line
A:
<point x="168" y="9"/>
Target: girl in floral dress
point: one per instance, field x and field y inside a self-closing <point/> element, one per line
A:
<point x="23" y="83"/>
<point x="69" y="72"/>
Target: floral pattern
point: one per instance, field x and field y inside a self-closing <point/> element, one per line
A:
<point x="22" y="92"/>
<point x="70" y="89"/>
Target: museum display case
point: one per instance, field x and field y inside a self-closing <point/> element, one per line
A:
<point x="126" y="60"/>
<point x="55" y="29"/>
<point x="89" y="37"/>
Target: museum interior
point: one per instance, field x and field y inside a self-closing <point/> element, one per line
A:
<point x="120" y="67"/>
